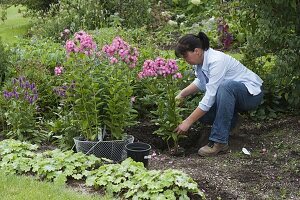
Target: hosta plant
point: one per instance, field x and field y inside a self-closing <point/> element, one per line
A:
<point x="133" y="181"/>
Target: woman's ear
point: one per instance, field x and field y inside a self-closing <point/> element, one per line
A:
<point x="197" y="51"/>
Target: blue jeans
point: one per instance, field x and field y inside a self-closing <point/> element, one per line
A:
<point x="232" y="97"/>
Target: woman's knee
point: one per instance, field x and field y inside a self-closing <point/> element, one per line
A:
<point x="232" y="86"/>
<point x="227" y="86"/>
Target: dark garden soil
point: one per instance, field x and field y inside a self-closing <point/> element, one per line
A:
<point x="271" y="171"/>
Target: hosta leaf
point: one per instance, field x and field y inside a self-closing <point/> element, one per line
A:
<point x="77" y="176"/>
<point x="49" y="168"/>
<point x="90" y="181"/>
<point x="169" y="194"/>
<point x="60" y="179"/>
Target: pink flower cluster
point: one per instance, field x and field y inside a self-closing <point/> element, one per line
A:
<point x="82" y="43"/>
<point x="58" y="70"/>
<point x="160" y="67"/>
<point x="119" y="48"/>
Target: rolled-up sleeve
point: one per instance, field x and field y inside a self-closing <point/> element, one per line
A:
<point x="215" y="75"/>
<point x="199" y="85"/>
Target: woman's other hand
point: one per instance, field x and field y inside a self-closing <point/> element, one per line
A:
<point x="183" y="127"/>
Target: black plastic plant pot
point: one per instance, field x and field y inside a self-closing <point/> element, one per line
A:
<point x="139" y="152"/>
<point x="113" y="149"/>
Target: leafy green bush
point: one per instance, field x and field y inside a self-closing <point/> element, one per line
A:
<point x="275" y="31"/>
<point x="33" y="5"/>
<point x="91" y="15"/>
<point x="36" y="59"/>
<point x="4" y="62"/>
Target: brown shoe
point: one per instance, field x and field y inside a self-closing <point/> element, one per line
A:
<point x="212" y="149"/>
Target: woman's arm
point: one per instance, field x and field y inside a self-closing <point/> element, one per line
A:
<point x="190" y="89"/>
<point x="187" y="123"/>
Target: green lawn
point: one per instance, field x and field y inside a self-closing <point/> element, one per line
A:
<point x="14" y="187"/>
<point x="15" y="25"/>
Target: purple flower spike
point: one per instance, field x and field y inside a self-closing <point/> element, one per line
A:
<point x="14" y="81"/>
<point x="32" y="86"/>
<point x="35" y="97"/>
<point x="30" y="99"/>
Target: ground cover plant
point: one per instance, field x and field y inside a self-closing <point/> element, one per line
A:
<point x="129" y="179"/>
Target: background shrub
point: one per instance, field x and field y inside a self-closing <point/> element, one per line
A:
<point x="4" y="61"/>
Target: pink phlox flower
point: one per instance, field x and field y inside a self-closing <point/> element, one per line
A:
<point x="159" y="67"/>
<point x="121" y="49"/>
<point x="58" y="70"/>
<point x="177" y="75"/>
<point x="113" y="60"/>
<point x="70" y="45"/>
<point x="82" y="43"/>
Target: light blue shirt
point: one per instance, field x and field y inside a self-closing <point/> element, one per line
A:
<point x="218" y="67"/>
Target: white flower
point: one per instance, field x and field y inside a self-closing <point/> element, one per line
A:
<point x="211" y="20"/>
<point x="195" y="25"/>
<point x="196" y="2"/>
<point x="172" y="23"/>
<point x="166" y="14"/>
<point x="180" y="16"/>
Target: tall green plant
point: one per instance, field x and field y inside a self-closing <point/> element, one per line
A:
<point x="119" y="112"/>
<point x="19" y="109"/>
<point x="164" y="76"/>
<point x="96" y="87"/>
<point x="83" y="97"/>
<point x="80" y="89"/>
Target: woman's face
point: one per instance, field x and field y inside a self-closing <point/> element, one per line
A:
<point x="194" y="57"/>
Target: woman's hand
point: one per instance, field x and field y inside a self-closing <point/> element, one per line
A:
<point x="187" y="123"/>
<point x="179" y="99"/>
<point x="183" y="127"/>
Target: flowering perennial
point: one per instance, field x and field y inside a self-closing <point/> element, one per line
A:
<point x="58" y="70"/>
<point x="119" y="48"/>
<point x="226" y="38"/>
<point x="160" y="67"/>
<point x="23" y="90"/>
<point x="82" y="43"/>
<point x="61" y="91"/>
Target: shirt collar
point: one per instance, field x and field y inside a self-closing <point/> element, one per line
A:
<point x="205" y="60"/>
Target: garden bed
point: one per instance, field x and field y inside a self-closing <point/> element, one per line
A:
<point x="272" y="170"/>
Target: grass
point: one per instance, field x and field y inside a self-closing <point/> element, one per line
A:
<point x="15" y="26"/>
<point x="14" y="187"/>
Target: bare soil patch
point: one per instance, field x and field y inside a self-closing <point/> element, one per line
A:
<point x="272" y="171"/>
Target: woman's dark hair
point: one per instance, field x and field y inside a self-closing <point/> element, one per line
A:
<point x="189" y="42"/>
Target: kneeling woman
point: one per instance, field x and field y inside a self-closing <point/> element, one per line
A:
<point x="228" y="85"/>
